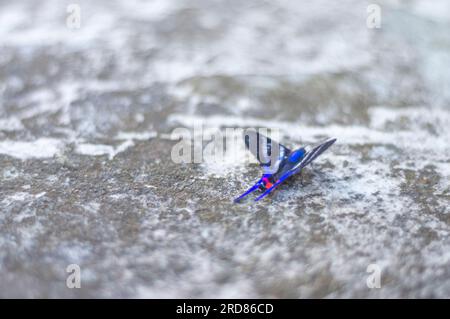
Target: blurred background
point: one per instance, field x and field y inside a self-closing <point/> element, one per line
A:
<point x="91" y="90"/>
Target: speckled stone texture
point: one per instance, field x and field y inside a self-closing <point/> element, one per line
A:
<point x="86" y="117"/>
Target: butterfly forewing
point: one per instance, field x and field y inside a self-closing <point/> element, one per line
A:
<point x="315" y="152"/>
<point x="268" y="152"/>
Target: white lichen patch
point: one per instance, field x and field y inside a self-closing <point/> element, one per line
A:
<point x="135" y="135"/>
<point x="100" y="149"/>
<point x="39" y="148"/>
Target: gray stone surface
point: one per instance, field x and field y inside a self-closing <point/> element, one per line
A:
<point x="87" y="178"/>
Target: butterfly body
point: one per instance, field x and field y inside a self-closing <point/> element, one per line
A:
<point x="278" y="162"/>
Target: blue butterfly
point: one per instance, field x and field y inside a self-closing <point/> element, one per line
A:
<point x="278" y="162"/>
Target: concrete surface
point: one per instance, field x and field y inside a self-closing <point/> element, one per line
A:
<point x="86" y="175"/>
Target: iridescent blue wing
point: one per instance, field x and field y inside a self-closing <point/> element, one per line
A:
<point x="314" y="153"/>
<point x="307" y="159"/>
<point x="269" y="153"/>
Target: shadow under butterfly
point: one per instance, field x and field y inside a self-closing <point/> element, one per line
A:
<point x="278" y="162"/>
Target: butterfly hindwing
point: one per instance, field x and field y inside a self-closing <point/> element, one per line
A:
<point x="268" y="152"/>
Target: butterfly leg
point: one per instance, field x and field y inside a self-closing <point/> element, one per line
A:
<point x="268" y="191"/>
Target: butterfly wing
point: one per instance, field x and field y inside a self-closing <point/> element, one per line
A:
<point x="269" y="153"/>
<point x="314" y="153"/>
<point x="307" y="159"/>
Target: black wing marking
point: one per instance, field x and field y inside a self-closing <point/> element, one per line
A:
<point x="265" y="150"/>
<point x="315" y="152"/>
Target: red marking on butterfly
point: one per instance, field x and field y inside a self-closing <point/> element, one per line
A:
<point x="267" y="184"/>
